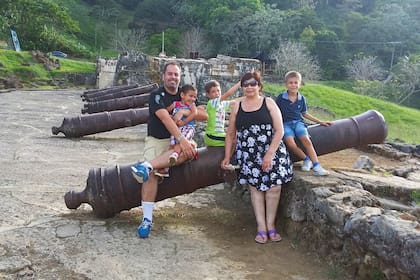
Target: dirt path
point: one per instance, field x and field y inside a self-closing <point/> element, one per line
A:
<point x="204" y="235"/>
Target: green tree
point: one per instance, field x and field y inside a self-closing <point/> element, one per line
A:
<point x="38" y="22"/>
<point x="172" y="44"/>
<point x="307" y="37"/>
<point x="330" y="54"/>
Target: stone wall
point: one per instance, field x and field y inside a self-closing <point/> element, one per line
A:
<point x="142" y="69"/>
<point x="106" y="69"/>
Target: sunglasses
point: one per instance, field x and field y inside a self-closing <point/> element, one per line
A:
<point x="251" y="83"/>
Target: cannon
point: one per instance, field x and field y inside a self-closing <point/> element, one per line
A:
<point x="135" y="101"/>
<point x="98" y="92"/>
<point x="112" y="190"/>
<point x="123" y="93"/>
<point x="100" y="122"/>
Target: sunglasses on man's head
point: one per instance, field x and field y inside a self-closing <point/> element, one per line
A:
<point x="251" y="83"/>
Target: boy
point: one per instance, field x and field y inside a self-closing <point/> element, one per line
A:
<point x="292" y="105"/>
<point x="216" y="110"/>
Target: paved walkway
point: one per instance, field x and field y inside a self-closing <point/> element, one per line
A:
<point x="204" y="235"/>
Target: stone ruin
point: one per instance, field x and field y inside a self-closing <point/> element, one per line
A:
<point x="143" y="69"/>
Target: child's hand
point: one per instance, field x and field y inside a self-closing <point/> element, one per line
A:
<point x="325" y="123"/>
<point x="180" y="123"/>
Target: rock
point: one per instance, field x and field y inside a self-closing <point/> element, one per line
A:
<point x="364" y="162"/>
<point x="350" y="226"/>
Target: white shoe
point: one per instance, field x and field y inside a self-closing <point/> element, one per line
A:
<point x="319" y="171"/>
<point x="307" y="165"/>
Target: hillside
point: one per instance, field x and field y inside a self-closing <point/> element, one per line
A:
<point x="36" y="69"/>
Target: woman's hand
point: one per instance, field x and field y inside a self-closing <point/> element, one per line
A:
<point x="267" y="162"/>
<point x="224" y="164"/>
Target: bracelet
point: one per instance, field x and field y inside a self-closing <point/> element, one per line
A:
<point x="178" y="138"/>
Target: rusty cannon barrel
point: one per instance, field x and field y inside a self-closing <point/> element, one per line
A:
<point x="124" y="93"/>
<point x="112" y="190"/>
<point x="129" y="102"/>
<point x="100" y="122"/>
<point x="367" y="128"/>
<point x="98" y="92"/>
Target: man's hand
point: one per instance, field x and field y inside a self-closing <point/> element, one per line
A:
<point x="187" y="149"/>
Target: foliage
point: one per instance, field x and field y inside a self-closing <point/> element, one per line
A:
<point x="329" y="52"/>
<point x="407" y="76"/>
<point x="364" y="68"/>
<point x="40" y="25"/>
<point x="334" y="32"/>
<point x="294" y="56"/>
<point x="195" y="41"/>
<point x="415" y="196"/>
<point x="172" y="46"/>
<point x="132" y="41"/>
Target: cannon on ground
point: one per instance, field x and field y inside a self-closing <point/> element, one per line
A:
<point x="123" y="93"/>
<point x="98" y="92"/>
<point x="123" y="103"/>
<point x="100" y="122"/>
<point x="112" y="190"/>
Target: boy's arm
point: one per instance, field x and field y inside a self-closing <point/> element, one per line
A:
<point x="231" y="91"/>
<point x="318" y="121"/>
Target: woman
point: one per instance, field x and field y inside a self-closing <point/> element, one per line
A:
<point x="256" y="126"/>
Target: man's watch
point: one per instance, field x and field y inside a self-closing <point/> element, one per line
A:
<point x="179" y="138"/>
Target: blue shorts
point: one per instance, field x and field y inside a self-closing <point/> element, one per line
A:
<point x="295" y="129"/>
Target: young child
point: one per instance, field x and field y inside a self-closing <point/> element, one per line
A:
<point x="216" y="110"/>
<point x="292" y="105"/>
<point x="181" y="110"/>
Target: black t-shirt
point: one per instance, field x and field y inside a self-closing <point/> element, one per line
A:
<point x="159" y="99"/>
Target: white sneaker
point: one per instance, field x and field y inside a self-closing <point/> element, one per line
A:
<point x="319" y="171"/>
<point x="307" y="165"/>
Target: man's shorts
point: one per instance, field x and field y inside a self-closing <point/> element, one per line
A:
<point x="295" y="129"/>
<point x="154" y="147"/>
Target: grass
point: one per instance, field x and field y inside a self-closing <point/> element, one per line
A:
<point x="402" y="122"/>
<point x="415" y="196"/>
<point x="24" y="66"/>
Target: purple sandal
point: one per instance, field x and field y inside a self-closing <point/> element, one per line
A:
<point x="261" y="237"/>
<point x="274" y="235"/>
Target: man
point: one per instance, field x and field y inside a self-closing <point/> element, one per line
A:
<point x="159" y="129"/>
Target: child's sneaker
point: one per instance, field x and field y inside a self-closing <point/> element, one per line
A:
<point x="319" y="171"/>
<point x="173" y="158"/>
<point x="141" y="171"/>
<point x="144" y="228"/>
<point x="307" y="165"/>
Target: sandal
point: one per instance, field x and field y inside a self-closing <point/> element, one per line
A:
<point x="261" y="237"/>
<point x="274" y="235"/>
